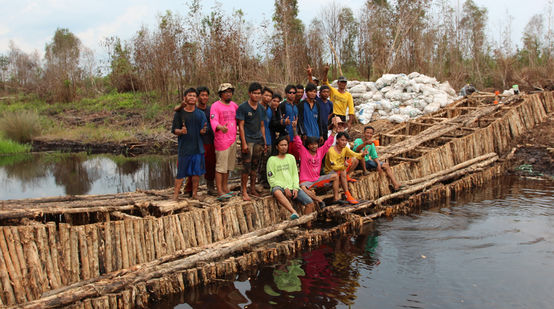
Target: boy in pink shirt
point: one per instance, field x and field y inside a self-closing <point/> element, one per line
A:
<point x="311" y="159"/>
<point x="224" y="124"/>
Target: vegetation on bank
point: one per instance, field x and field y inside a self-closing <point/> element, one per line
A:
<point x="8" y="146"/>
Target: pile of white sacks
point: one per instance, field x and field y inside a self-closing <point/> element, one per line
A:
<point x="399" y="97"/>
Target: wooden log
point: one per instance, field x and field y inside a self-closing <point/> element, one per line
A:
<point x="84" y="253"/>
<point x="22" y="262"/>
<point x="10" y="275"/>
<point x="138" y="226"/>
<point x="168" y="231"/>
<point x="55" y="251"/>
<point x="162" y="263"/>
<point x="207" y="226"/>
<point x="452" y="169"/>
<point x="161" y="246"/>
<point x="123" y="216"/>
<point x="46" y="258"/>
<point x="108" y="248"/>
<point x="420" y="186"/>
<point x="65" y="245"/>
<point x="104" y="286"/>
<point x="37" y="278"/>
<point x="121" y="241"/>
<point x="92" y="233"/>
<point x="75" y="268"/>
<point x="8" y="295"/>
<point x="149" y="238"/>
<point x="180" y="238"/>
<point x="129" y="237"/>
<point x="170" y="206"/>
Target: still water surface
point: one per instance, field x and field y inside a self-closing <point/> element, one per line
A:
<point x="54" y="174"/>
<point x="491" y="248"/>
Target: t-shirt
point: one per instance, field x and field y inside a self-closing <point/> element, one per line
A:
<point x="267" y="120"/>
<point x="326" y="110"/>
<point x="310" y="119"/>
<point x="208" y="137"/>
<point x="310" y="166"/>
<point x="221" y="114"/>
<point x="190" y="143"/>
<point x="252" y="122"/>
<point x="290" y="111"/>
<point x="335" y="161"/>
<point x="341" y="101"/>
<point x="372" y="151"/>
<point x="282" y="172"/>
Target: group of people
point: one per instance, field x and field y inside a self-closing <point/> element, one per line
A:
<point x="294" y="145"/>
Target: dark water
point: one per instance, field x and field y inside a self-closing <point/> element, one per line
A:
<point x="491" y="248"/>
<point x="54" y="174"/>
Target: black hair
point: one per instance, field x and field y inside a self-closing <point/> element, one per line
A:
<point x="276" y="95"/>
<point x="299" y="86"/>
<point x="281" y="138"/>
<point x="341" y="134"/>
<point x="289" y="87"/>
<point x="369" y="127"/>
<point x="311" y="87"/>
<point x="312" y="140"/>
<point x="254" y="86"/>
<point x="189" y="91"/>
<point x="323" y="88"/>
<point x="201" y="89"/>
<point x="267" y="90"/>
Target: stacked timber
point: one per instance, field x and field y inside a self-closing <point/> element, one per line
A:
<point x="123" y="250"/>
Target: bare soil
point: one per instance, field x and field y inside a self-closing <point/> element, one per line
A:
<point x="535" y="151"/>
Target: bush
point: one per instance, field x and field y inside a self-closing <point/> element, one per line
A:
<point x="20" y="126"/>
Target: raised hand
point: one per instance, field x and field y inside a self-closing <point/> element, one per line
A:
<point x="287" y="121"/>
<point x="294" y="123"/>
<point x="224" y="129"/>
<point x="309" y="70"/>
<point x="184" y="129"/>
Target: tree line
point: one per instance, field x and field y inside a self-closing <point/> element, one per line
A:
<point x="207" y="47"/>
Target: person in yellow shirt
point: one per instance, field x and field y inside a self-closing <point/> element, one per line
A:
<point x="341" y="98"/>
<point x="335" y="162"/>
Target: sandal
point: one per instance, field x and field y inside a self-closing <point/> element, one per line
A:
<point x="294" y="216"/>
<point x="224" y="197"/>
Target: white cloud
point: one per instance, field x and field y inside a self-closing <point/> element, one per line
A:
<point x="4" y="30"/>
<point x="124" y="25"/>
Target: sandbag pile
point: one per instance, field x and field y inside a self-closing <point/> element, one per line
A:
<point x="399" y="97"/>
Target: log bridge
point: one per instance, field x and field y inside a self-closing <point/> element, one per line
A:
<point x="129" y="250"/>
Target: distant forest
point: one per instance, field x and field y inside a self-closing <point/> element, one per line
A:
<point x="210" y="46"/>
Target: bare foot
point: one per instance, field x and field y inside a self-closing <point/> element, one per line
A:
<point x="245" y="197"/>
<point x="254" y="192"/>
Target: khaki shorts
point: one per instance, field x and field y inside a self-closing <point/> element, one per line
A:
<point x="225" y="159"/>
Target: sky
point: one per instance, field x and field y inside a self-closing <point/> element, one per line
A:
<point x="31" y="24"/>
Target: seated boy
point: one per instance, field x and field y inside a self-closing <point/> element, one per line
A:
<point x="371" y="162"/>
<point x="282" y="176"/>
<point x="335" y="162"/>
<point x="311" y="158"/>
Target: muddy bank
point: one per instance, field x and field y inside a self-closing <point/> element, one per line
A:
<point x="535" y="151"/>
<point x="125" y="148"/>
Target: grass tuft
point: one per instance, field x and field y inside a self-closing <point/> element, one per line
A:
<point x="9" y="147"/>
<point x="20" y="126"/>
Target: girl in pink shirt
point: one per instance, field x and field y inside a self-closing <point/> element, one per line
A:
<point x="311" y="159"/>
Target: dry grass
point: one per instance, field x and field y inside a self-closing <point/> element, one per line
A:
<point x="20" y="126"/>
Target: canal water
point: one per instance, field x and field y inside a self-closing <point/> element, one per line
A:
<point x="55" y="174"/>
<point x="492" y="247"/>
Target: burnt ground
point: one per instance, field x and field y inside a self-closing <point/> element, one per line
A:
<point x="535" y="151"/>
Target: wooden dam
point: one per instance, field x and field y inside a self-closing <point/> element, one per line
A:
<point x="129" y="250"/>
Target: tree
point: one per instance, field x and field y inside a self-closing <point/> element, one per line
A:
<point x="289" y="38"/>
<point x="473" y="23"/>
<point x="62" y="64"/>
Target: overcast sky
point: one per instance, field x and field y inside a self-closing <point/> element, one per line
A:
<point x="30" y="24"/>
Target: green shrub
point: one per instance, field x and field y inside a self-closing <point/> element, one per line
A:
<point x="9" y="147"/>
<point x="20" y="126"/>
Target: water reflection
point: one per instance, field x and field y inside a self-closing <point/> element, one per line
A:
<point x="52" y="174"/>
<point x="490" y="248"/>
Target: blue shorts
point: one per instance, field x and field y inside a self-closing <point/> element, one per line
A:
<point x="302" y="197"/>
<point x="191" y="165"/>
<point x="371" y="165"/>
